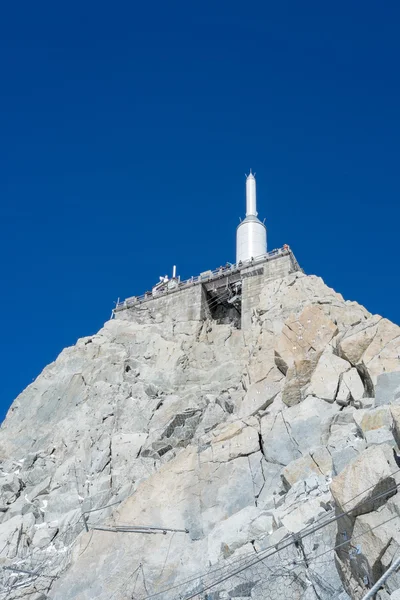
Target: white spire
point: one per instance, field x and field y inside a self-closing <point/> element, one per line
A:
<point x="251" y="234"/>
<point x="251" y="208"/>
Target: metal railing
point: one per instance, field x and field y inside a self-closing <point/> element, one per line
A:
<point x="175" y="285"/>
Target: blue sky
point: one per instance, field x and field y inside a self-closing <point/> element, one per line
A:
<point x="126" y="129"/>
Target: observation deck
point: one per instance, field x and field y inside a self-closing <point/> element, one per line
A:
<point x="269" y="266"/>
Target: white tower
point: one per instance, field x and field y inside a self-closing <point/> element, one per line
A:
<point x="251" y="234"/>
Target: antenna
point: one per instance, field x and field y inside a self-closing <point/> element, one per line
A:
<point x="251" y="195"/>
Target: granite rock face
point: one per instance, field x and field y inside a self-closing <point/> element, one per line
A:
<point x="227" y="453"/>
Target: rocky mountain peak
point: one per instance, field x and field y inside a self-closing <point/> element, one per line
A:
<point x="176" y="455"/>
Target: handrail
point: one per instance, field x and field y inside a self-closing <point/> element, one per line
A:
<point x="215" y="274"/>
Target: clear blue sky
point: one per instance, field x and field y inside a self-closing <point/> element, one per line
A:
<point x="126" y="129"/>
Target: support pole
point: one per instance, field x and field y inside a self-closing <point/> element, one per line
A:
<point x="139" y="529"/>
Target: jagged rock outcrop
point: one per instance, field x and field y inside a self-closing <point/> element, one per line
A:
<point x="241" y="447"/>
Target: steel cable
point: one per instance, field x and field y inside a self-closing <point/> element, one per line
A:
<point x="305" y="532"/>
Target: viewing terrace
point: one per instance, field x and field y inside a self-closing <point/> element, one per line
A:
<point x="210" y="279"/>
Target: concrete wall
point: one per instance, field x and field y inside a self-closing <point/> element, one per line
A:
<point x="188" y="304"/>
<point x="253" y="279"/>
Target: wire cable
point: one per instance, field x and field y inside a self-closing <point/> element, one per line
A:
<point x="334" y="548"/>
<point x="305" y="532"/>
